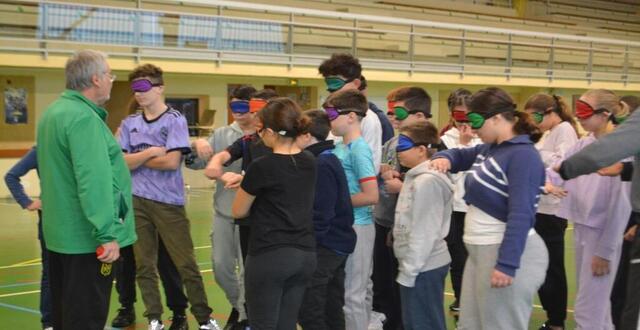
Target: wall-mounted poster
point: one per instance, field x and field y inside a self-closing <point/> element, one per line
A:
<point x="15" y="105"/>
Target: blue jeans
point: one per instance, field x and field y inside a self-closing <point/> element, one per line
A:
<point x="423" y="305"/>
<point x="45" y="291"/>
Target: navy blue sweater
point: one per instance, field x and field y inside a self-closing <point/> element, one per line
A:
<point x="12" y="178"/>
<point x="505" y="181"/>
<point x="332" y="210"/>
<point x="387" y="128"/>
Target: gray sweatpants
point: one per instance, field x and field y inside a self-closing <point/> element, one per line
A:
<point x="483" y="307"/>
<point x="357" y="274"/>
<point x="227" y="261"/>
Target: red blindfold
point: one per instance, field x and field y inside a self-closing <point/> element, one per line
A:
<point x="390" y="105"/>
<point x="256" y="105"/>
<point x="460" y="116"/>
<point x="584" y="110"/>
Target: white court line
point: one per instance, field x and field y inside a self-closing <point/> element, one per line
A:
<point x="18" y="293"/>
<point x="534" y="305"/>
<point x="207" y="271"/>
<point x="38" y="291"/>
<point x="22" y="264"/>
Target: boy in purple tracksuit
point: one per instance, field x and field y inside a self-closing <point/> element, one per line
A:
<point x="154" y="142"/>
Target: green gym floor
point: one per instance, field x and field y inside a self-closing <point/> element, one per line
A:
<point x="20" y="269"/>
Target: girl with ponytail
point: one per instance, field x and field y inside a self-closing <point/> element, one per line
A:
<point x="599" y="207"/>
<point x="503" y="187"/>
<point x="458" y="134"/>
<point x="554" y="118"/>
<point x="276" y="196"/>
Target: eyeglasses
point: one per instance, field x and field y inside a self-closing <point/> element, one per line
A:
<point x="143" y="85"/>
<point x="335" y="83"/>
<point x="405" y="143"/>
<point x="333" y="112"/>
<point x="402" y="113"/>
<point x="112" y="77"/>
<point x="584" y="110"/>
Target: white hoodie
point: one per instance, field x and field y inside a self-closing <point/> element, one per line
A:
<point x="423" y="216"/>
<point x="451" y="140"/>
<point x="553" y="146"/>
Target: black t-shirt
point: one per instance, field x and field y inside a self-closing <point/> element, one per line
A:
<point x="249" y="148"/>
<point x="282" y="213"/>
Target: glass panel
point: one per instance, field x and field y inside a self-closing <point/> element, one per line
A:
<point x="230" y="34"/>
<point x="321" y="41"/>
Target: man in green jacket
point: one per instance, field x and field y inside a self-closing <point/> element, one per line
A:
<point x="86" y="195"/>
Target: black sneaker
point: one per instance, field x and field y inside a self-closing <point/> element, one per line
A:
<point x="125" y="318"/>
<point x="242" y="325"/>
<point x="232" y="320"/>
<point x="179" y="322"/>
<point x="546" y="326"/>
<point x="455" y="306"/>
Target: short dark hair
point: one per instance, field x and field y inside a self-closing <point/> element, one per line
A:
<point x="320" y="125"/>
<point x="422" y="132"/>
<point x="243" y="92"/>
<point x="344" y="65"/>
<point x="415" y="99"/>
<point x="148" y="70"/>
<point x="350" y="99"/>
<point x="265" y="94"/>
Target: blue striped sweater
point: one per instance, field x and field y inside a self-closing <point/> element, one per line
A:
<point x="505" y="181"/>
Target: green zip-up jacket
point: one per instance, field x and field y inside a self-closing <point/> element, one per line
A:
<point x="85" y="182"/>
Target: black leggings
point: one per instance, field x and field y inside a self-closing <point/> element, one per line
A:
<point x="553" y="293"/>
<point x="275" y="282"/>
<point x="457" y="251"/>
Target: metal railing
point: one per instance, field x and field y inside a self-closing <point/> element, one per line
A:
<point x="255" y="33"/>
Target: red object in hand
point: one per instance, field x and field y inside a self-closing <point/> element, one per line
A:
<point x="99" y="250"/>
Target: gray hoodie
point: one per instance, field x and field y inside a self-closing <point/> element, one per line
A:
<point x="623" y="142"/>
<point x="423" y="215"/>
<point x="219" y="140"/>
<point x="384" y="212"/>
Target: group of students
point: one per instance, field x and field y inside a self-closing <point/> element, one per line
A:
<point x="325" y="219"/>
<point x="499" y="215"/>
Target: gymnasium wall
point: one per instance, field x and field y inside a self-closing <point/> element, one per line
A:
<point x="49" y="82"/>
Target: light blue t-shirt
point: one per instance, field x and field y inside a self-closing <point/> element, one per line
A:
<point x="357" y="161"/>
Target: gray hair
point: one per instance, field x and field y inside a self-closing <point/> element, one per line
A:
<point x="81" y="67"/>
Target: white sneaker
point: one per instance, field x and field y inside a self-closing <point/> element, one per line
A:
<point x="156" y="325"/>
<point x="376" y="321"/>
<point x="48" y="328"/>
<point x="211" y="325"/>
